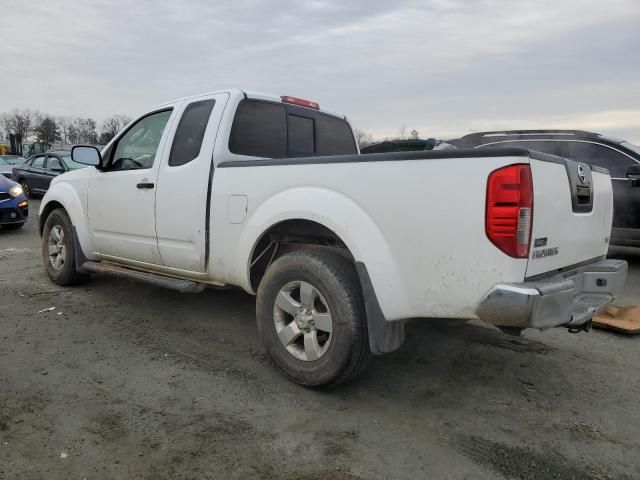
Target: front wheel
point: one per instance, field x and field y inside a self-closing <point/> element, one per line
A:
<point x="58" y="249"/>
<point x="25" y="189"/>
<point x="311" y="318"/>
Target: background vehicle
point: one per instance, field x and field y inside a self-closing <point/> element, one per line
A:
<point x="409" y="145"/>
<point x="7" y="163"/>
<point x="270" y="194"/>
<point x="36" y="173"/>
<point x="621" y="158"/>
<point x="14" y="208"/>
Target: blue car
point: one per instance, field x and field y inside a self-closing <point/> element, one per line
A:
<point x="14" y="208"/>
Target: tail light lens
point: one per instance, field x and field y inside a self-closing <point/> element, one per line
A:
<point x="509" y="214"/>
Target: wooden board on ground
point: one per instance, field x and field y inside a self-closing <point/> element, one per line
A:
<point x="619" y="319"/>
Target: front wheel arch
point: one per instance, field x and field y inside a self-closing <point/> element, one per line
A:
<point x="46" y="211"/>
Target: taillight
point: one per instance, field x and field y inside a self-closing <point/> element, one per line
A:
<point x="509" y="214"/>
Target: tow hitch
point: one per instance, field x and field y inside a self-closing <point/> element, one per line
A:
<point x="585" y="327"/>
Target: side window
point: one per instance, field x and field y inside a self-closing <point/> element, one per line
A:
<point x="259" y="130"/>
<point x="334" y="136"/>
<point x="137" y="148"/>
<point x="301" y="138"/>
<point x="38" y="162"/>
<point x="53" y="163"/>
<point x="602" y="156"/>
<point x="190" y="132"/>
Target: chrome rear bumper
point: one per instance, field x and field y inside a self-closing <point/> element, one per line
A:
<point x="569" y="298"/>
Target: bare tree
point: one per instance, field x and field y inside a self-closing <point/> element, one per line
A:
<point x="414" y="134"/>
<point x="82" y="130"/>
<point x="111" y="126"/>
<point x="402" y="133"/>
<point x="88" y="130"/>
<point x="362" y="137"/>
<point x="64" y="123"/>
<point x="19" y="122"/>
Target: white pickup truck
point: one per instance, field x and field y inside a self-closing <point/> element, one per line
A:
<point x="269" y="194"/>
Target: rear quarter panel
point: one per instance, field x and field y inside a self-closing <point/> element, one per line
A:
<point x="417" y="225"/>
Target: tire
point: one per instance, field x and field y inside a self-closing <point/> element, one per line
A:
<point x="338" y="347"/>
<point x="13" y="226"/>
<point x="60" y="260"/>
<point x="25" y="188"/>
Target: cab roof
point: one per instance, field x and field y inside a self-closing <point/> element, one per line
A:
<point x="247" y="94"/>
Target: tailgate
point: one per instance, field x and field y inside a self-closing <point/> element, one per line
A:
<point x="572" y="213"/>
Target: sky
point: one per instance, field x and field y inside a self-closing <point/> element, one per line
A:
<point x="442" y="67"/>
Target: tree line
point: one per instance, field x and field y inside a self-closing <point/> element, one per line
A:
<point x="365" y="139"/>
<point x="47" y="128"/>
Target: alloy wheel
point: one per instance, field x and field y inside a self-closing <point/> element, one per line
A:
<point x="303" y="320"/>
<point x="57" y="249"/>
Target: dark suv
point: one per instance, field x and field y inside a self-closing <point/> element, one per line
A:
<point x="621" y="158"/>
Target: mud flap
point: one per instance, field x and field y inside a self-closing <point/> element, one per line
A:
<point x="384" y="336"/>
<point x="79" y="254"/>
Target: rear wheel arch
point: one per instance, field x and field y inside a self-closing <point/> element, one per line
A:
<point x="302" y="234"/>
<point x="286" y="236"/>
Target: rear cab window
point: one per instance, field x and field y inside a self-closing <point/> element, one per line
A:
<point x="277" y="130"/>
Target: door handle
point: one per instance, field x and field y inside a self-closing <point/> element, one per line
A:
<point x="145" y="185"/>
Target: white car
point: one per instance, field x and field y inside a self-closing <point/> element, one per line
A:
<point x="269" y="194"/>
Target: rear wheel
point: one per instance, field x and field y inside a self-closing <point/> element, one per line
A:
<point x="311" y="318"/>
<point x="58" y="250"/>
<point x="25" y="189"/>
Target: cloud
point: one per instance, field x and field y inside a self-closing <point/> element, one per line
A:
<point x="441" y="66"/>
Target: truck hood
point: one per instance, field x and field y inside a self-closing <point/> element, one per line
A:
<point x="80" y="174"/>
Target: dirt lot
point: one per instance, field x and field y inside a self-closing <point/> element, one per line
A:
<point x="124" y="380"/>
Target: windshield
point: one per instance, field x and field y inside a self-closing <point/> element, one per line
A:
<point x="71" y="164"/>
<point x="631" y="146"/>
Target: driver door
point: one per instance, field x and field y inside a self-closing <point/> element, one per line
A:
<point x="121" y="198"/>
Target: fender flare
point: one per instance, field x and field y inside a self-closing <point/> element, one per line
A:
<point x="374" y="263"/>
<point x="66" y="196"/>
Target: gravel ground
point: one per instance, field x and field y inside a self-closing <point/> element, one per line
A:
<point x="124" y="380"/>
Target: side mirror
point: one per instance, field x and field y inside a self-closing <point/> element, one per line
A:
<point x="86" y="155"/>
<point x="58" y="169"/>
<point x="634" y="172"/>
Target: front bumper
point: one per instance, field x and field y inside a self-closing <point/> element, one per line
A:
<point x="13" y="214"/>
<point x="569" y="298"/>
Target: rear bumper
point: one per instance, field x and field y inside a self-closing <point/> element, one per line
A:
<point x="569" y="298"/>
